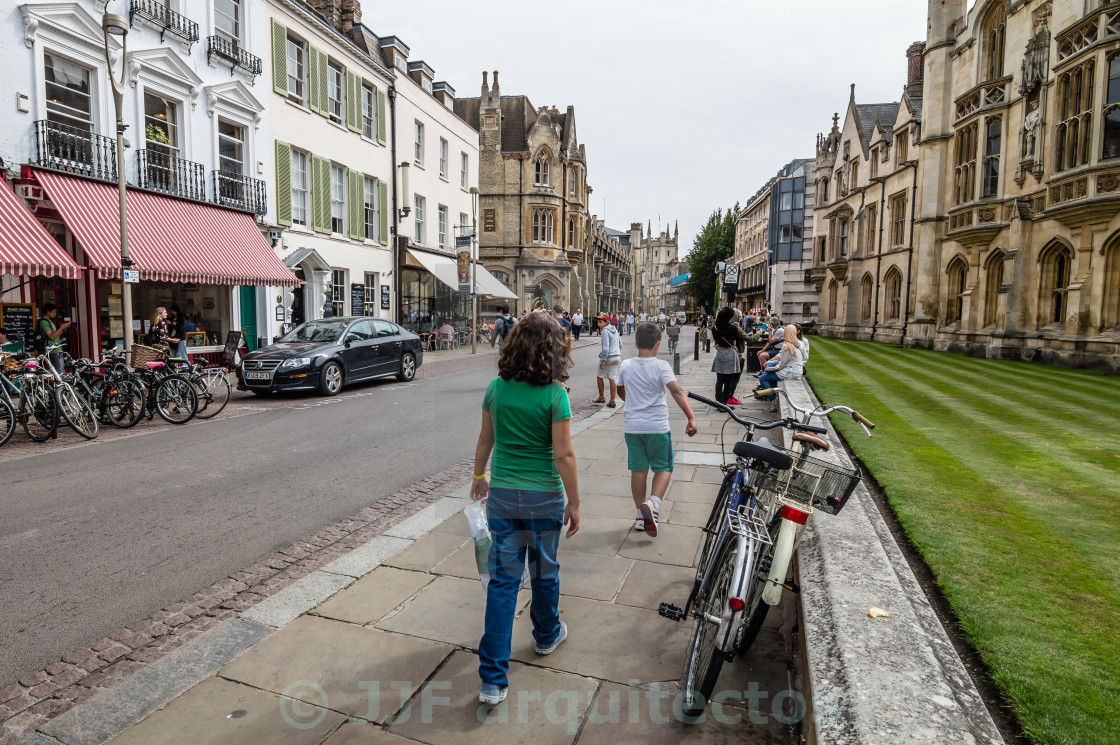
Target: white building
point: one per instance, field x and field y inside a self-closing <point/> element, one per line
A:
<point x="196" y="118"/>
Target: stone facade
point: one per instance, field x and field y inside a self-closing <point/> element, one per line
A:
<point x="751" y="241"/>
<point x="651" y="265"/>
<point x="613" y="269"/>
<point x="533" y="221"/>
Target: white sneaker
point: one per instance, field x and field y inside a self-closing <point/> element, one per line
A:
<point x="491" y="694"/>
<point x="649" y="518"/>
<point x="559" y="640"/>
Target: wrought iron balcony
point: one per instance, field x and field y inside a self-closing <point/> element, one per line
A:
<point x="231" y="52"/>
<point x="163" y="172"/>
<point x="240" y="192"/>
<point x="166" y="19"/>
<point x="76" y="150"/>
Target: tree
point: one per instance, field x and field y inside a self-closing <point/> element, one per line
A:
<point x="715" y="243"/>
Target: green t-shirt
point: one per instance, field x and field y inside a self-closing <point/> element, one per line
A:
<point x="523" y="415"/>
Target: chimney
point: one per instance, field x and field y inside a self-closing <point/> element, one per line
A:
<point x="496" y="93"/>
<point x="351" y="15"/>
<point x="329" y="9"/>
<point x="915" y="69"/>
<point x="485" y="88"/>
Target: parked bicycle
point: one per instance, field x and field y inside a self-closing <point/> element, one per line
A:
<point x="168" y="393"/>
<point x="766" y="499"/>
<point x="211" y="385"/>
<point x="110" y="390"/>
<point x="33" y="404"/>
<point x="75" y="410"/>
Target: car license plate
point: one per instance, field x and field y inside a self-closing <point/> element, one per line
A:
<point x="258" y="376"/>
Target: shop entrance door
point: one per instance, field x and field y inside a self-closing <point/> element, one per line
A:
<point x="60" y="292"/>
<point x="249" y="316"/>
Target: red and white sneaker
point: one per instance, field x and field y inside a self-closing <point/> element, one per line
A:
<point x="649" y="518"/>
<point x="734" y="401"/>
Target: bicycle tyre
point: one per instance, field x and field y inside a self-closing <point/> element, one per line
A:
<point x="711" y="531"/>
<point x="756" y="610"/>
<point x="7" y="421"/>
<point x="37" y="412"/>
<point x="216" y="390"/>
<point x="175" y="399"/>
<point x="75" y="411"/>
<point x="124" y="405"/>
<point x="704" y="661"/>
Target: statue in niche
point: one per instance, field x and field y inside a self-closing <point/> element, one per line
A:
<point x="1030" y="130"/>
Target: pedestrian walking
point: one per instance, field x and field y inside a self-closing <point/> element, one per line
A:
<point x="560" y="317"/>
<point x="525" y="424"/>
<point x="642" y="317"/>
<point x="503" y="326"/>
<point x="726" y="364"/>
<point x="614" y="322"/>
<point x="610" y="357"/>
<point x="629" y="324"/>
<point x="642" y="383"/>
<point x="577" y="323"/>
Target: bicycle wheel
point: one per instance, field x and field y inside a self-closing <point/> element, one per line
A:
<point x="37" y="412"/>
<point x="76" y="411"/>
<point x="711" y="530"/>
<point x="7" y="421"/>
<point x="124" y="403"/>
<point x="756" y="610"/>
<point x="704" y="661"/>
<point x="175" y="399"/>
<point x="213" y="390"/>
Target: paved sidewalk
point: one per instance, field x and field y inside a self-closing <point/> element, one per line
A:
<point x="381" y="645"/>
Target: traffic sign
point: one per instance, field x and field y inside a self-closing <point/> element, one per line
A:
<point x="131" y="276"/>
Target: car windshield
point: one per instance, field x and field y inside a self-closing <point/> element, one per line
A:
<point x="323" y="331"/>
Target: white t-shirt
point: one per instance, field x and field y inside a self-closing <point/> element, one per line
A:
<point x="646" y="410"/>
<point x="630" y="318"/>
<point x="643" y="317"/>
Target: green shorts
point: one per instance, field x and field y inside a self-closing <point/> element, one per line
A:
<point x="650" y="452"/>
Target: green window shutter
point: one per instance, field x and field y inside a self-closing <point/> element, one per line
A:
<point x="357" y="206"/>
<point x="383" y="211"/>
<point x="283" y="183"/>
<point x="324" y="87"/>
<point x="381" y="116"/>
<point x="321" y="194"/>
<point x="353" y="102"/>
<point x="279" y="58"/>
<point x="316" y="60"/>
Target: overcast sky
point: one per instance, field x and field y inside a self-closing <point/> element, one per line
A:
<point x="683" y="107"/>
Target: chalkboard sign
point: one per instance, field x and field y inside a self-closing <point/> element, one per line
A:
<point x="384" y="297"/>
<point x="18" y="319"/>
<point x="357" y="300"/>
<point x="229" y="354"/>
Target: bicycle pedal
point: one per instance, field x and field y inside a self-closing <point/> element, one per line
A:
<point x="670" y="611"/>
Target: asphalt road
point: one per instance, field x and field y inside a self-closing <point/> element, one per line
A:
<point x="96" y="537"/>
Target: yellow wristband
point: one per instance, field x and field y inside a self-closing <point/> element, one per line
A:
<point x="478" y="478"/>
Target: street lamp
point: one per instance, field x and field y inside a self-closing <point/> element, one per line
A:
<point x="474" y="268"/>
<point x="115" y="25"/>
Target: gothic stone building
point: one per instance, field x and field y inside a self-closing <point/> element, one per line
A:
<point x="1019" y="230"/>
<point x="651" y="257"/>
<point x="533" y="220"/>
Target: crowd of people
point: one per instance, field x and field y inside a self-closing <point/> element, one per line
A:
<point x="782" y="357"/>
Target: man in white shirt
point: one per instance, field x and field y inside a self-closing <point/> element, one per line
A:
<point x="629" y="323"/>
<point x="577" y="323"/>
<point x="643" y="317"/>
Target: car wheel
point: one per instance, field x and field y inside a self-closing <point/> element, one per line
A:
<point x="408" y="368"/>
<point x="330" y="379"/>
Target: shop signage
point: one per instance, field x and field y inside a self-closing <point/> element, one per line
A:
<point x="385" y="297"/>
<point x="229" y="353"/>
<point x="463" y="240"/>
<point x="357" y="300"/>
<point x="131" y="276"/>
<point x="18" y="319"/>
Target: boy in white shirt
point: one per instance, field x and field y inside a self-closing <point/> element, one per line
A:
<point x="642" y="382"/>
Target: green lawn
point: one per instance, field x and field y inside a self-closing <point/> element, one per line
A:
<point x="1006" y="476"/>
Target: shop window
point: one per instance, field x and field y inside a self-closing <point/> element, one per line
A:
<point x="68" y="93"/>
<point x="338" y="292"/>
<point x="338" y="199"/>
<point x="372" y="218"/>
<point x="300" y="188"/>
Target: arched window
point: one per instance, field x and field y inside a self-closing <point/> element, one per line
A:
<point x="833" y="290"/>
<point x="824" y="191"/>
<point x="966" y="164"/>
<point x="992" y="144"/>
<point x="541" y="171"/>
<point x="572" y="233"/>
<point x="994" y="29"/>
<point x="1110" y="313"/>
<point x="1074" y="133"/>
<point x="893" y="288"/>
<point x="865" y="298"/>
<point x="994" y="274"/>
<point x="500" y="275"/>
<point x="1056" y="262"/>
<point x="542" y="226"/>
<point x="954" y="298"/>
<point x="1111" y="145"/>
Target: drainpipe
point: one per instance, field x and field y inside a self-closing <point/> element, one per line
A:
<point x="910" y="254"/>
<point x="396" y="212"/>
<point x="878" y="258"/>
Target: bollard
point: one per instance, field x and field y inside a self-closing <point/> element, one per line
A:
<point x="696" y="346"/>
<point x="676" y="363"/>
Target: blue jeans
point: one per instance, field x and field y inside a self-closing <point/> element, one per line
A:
<point x="767" y="381"/>
<point x="524" y="525"/>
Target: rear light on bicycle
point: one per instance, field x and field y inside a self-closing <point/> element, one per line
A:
<point x="736" y="604"/>
<point x="794" y="515"/>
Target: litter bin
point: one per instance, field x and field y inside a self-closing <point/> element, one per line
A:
<point x="751" y="356"/>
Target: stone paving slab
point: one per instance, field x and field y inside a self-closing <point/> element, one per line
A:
<point x="355" y="670"/>
<point x="426" y="552"/>
<point x="674" y="544"/>
<point x="373" y="596"/>
<point x="454" y="525"/>
<point x="424" y="521"/>
<point x="650" y="583"/>
<point x="364" y="733"/>
<point x="603" y="536"/>
<point x="299" y="597"/>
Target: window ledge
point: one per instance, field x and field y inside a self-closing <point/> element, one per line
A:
<point x="301" y="106"/>
<point x="301" y="229"/>
<point x="444" y="179"/>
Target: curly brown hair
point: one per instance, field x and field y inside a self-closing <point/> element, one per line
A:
<point x="538" y="351"/>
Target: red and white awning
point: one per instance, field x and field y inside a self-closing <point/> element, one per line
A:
<point x="169" y="240"/>
<point x="26" y="248"/>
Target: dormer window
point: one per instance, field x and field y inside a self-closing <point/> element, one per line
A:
<point x="541" y="171"/>
<point x="426" y="84"/>
<point x="400" y="63"/>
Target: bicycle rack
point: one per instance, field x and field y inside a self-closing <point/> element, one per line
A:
<point x="750" y="526"/>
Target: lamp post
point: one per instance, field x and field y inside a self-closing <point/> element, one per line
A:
<point x="115" y="25"/>
<point x="474" y="269"/>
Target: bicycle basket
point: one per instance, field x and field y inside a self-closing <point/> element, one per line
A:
<point x="826" y="486"/>
<point x="142" y="355"/>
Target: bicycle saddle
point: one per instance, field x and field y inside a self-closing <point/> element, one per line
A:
<point x="762" y="450"/>
<point x="155" y="365"/>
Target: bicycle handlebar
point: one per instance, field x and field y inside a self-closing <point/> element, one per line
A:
<point x="789" y="423"/>
<point x="863" y="421"/>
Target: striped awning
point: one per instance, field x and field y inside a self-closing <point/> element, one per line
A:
<point x="26" y="248"/>
<point x="169" y="240"/>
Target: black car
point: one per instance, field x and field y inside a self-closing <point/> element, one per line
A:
<point x="326" y="354"/>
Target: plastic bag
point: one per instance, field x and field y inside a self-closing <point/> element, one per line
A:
<point x="480" y="532"/>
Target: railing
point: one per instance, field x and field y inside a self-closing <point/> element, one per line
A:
<point x="66" y="148"/>
<point x="240" y="192"/>
<point x="219" y="46"/>
<point x="168" y="20"/>
<point x="170" y="175"/>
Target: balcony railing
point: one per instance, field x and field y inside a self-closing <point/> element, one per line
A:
<point x="168" y="21"/>
<point x="163" y="172"/>
<point x="219" y="46"/>
<point x="240" y="192"/>
<point x="66" y="148"/>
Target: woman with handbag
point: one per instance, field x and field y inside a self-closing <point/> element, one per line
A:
<point x="728" y="364"/>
